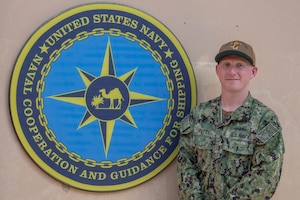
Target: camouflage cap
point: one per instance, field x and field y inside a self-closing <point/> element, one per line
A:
<point x="238" y="48"/>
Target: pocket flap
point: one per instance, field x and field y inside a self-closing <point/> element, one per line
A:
<point x="203" y="139"/>
<point x="238" y="146"/>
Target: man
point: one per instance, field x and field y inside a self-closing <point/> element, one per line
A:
<point x="230" y="147"/>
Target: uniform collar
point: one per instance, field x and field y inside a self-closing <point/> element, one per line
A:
<point x="241" y="114"/>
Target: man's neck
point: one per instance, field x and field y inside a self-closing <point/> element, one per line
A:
<point x="231" y="101"/>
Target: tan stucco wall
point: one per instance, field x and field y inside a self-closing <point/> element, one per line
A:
<point x="272" y="27"/>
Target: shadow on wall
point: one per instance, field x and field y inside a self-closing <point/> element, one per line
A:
<point x="208" y="85"/>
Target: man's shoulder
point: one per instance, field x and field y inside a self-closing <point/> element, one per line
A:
<point x="210" y="104"/>
<point x="202" y="110"/>
<point x="260" y="108"/>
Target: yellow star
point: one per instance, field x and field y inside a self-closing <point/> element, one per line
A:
<point x="168" y="53"/>
<point x="44" y="48"/>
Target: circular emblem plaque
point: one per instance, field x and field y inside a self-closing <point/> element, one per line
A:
<point x="97" y="94"/>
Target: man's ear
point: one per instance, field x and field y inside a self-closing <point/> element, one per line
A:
<point x="254" y="71"/>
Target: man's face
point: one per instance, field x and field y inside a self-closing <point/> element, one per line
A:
<point x="235" y="73"/>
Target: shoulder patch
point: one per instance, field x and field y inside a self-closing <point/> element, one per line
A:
<point x="185" y="125"/>
<point x="267" y="132"/>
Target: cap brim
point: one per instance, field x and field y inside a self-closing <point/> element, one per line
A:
<point x="221" y="55"/>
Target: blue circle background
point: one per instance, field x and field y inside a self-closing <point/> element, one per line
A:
<point x="64" y="118"/>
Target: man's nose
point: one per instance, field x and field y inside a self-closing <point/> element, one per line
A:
<point x="232" y="70"/>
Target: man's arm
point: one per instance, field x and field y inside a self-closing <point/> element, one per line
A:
<point x="261" y="181"/>
<point x="188" y="182"/>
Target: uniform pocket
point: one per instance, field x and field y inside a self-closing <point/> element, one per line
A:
<point x="237" y="153"/>
<point x="203" y="141"/>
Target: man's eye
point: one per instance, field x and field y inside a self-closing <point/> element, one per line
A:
<point x="239" y="65"/>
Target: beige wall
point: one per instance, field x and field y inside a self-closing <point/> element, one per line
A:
<point x="272" y="27"/>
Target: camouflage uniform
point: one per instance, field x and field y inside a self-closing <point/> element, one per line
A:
<point x="239" y="157"/>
